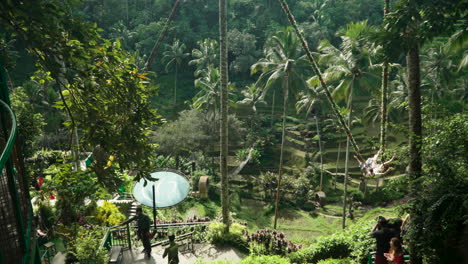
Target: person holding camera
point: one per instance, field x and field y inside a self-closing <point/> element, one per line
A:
<point x="383" y="233"/>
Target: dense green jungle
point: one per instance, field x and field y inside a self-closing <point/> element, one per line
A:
<point x="311" y="118"/>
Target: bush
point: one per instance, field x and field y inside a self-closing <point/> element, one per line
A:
<point x="267" y="242"/>
<point x="108" y="214"/>
<point x="355" y="242"/>
<point x="439" y="211"/>
<point x="361" y="243"/>
<point x="393" y="189"/>
<point x="84" y="248"/>
<point x="336" y="261"/>
<point x="265" y="260"/>
<point x="47" y="214"/>
<point x="334" y="246"/>
<point x="235" y="237"/>
<point x="251" y="260"/>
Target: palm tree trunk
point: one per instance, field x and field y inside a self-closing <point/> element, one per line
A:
<point x="285" y="100"/>
<point x="415" y="135"/>
<point x="384" y="101"/>
<point x="337" y="161"/>
<point x="224" y="116"/>
<point x="126" y="11"/>
<point x="322" y="82"/>
<point x="272" y="110"/>
<point x="321" y="156"/>
<point x="345" y="192"/>
<point x="175" y="84"/>
<point x="161" y="37"/>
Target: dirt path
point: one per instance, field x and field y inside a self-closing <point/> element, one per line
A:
<point x="329" y="216"/>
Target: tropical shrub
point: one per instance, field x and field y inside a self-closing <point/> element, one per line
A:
<point x="360" y="241"/>
<point x="85" y="247"/>
<point x="71" y="189"/>
<point x="393" y="189"/>
<point x="438" y="212"/>
<point x="355" y="243"/>
<point x="235" y="237"/>
<point x="252" y="259"/>
<point x="336" y="261"/>
<point x="267" y="242"/>
<point x="265" y="260"/>
<point x="47" y="214"/>
<point x="335" y="246"/>
<point x="242" y="154"/>
<point x="109" y="215"/>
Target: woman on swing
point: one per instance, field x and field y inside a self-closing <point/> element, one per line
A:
<point x="371" y="167"/>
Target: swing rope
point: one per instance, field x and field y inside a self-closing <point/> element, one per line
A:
<point x="316" y="69"/>
<point x="161" y="37"/>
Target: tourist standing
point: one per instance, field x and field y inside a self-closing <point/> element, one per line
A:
<point x="172" y="251"/>
<point x="144" y="223"/>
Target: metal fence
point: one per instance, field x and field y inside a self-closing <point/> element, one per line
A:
<point x="17" y="240"/>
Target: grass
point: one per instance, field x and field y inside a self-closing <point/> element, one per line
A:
<point x="303" y="227"/>
<point x="299" y="226"/>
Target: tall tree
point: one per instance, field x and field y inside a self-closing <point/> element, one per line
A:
<point x="104" y="92"/>
<point x="223" y="63"/>
<point x="322" y="82"/>
<point x="349" y="67"/>
<point x="173" y="56"/>
<point x="411" y="24"/>
<point x="345" y="191"/>
<point x="208" y="98"/>
<point x="281" y="69"/>
<point x="205" y="55"/>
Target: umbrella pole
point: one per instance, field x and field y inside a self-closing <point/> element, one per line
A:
<point x="154" y="208"/>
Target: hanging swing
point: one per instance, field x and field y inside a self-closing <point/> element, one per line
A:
<point x="370" y="167"/>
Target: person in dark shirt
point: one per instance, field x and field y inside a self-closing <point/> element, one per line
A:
<point x="382" y="234"/>
<point x="172" y="251"/>
<point x="144" y="223"/>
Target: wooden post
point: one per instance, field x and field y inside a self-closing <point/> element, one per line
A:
<point x="154" y="208"/>
<point x="128" y="237"/>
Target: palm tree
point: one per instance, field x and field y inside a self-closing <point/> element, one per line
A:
<point x="174" y="55"/>
<point x="251" y="99"/>
<point x="205" y="55"/>
<point x="122" y="33"/>
<point x="438" y="72"/>
<point x="208" y="97"/>
<point x="281" y="68"/>
<point x="322" y="82"/>
<point x="458" y="43"/>
<point x="396" y="96"/>
<point x="308" y="100"/>
<point x="350" y="68"/>
<point x="223" y="63"/>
